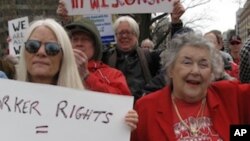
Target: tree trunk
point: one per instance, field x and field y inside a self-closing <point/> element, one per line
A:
<point x="144" y="26"/>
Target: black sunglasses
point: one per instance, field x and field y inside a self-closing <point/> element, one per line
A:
<point x="51" y="48"/>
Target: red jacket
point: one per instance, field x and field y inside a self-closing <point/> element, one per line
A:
<point x="103" y="78"/>
<point x="227" y="103"/>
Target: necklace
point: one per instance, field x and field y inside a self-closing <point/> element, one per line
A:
<point x="193" y="128"/>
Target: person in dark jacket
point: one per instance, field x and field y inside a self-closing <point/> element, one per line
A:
<point x="137" y="64"/>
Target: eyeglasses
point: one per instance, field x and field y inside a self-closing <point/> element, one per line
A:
<point x="127" y="33"/>
<point x="51" y="48"/>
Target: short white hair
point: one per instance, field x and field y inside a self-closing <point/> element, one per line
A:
<point x="132" y="23"/>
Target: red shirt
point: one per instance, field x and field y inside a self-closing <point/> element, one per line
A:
<point x="195" y="116"/>
<point x="227" y="103"/>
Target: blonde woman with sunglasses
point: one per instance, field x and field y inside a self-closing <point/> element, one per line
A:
<point x="47" y="56"/>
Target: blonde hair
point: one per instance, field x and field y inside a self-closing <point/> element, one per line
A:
<point x="68" y="74"/>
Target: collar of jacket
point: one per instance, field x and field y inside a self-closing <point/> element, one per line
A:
<point x="93" y="65"/>
<point x="131" y="52"/>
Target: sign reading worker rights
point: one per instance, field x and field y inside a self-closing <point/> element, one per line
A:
<point x="38" y="112"/>
<point x="79" y="7"/>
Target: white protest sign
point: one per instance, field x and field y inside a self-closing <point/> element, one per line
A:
<point x="17" y="29"/>
<point x="104" y="24"/>
<point x="37" y="112"/>
<point x="79" y="7"/>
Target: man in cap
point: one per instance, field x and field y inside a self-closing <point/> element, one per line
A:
<point x="87" y="46"/>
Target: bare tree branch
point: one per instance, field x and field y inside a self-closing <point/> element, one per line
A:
<point x="201" y="17"/>
<point x="196" y="3"/>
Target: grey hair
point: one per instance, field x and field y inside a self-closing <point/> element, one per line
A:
<point x="147" y="42"/>
<point x="132" y="23"/>
<point x="169" y="56"/>
<point x="68" y="73"/>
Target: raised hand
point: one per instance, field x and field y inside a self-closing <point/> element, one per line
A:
<point x="178" y="11"/>
<point x="82" y="63"/>
<point x="62" y="11"/>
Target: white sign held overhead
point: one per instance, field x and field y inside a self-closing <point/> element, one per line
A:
<point x="37" y="112"/>
<point x="17" y="29"/>
<point x="79" y="7"/>
<point x="104" y="24"/>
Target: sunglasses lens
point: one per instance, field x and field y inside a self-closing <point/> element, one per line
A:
<point x="32" y="46"/>
<point x="52" y="48"/>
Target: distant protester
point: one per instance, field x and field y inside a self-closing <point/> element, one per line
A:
<point x="235" y="45"/>
<point x="147" y="43"/>
<point x="230" y="70"/>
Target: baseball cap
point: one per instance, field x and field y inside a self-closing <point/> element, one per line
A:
<point x="235" y="39"/>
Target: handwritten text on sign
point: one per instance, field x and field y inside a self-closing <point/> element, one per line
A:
<point x="104" y="24"/>
<point x="17" y="29"/>
<point x="79" y="7"/>
<point x="44" y="112"/>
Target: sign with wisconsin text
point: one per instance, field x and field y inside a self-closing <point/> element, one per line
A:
<point x="17" y="29"/>
<point x="79" y="7"/>
<point x="38" y="112"/>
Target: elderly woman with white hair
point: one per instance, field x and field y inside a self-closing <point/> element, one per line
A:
<point x="192" y="106"/>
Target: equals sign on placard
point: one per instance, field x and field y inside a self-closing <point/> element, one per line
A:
<point x="42" y="129"/>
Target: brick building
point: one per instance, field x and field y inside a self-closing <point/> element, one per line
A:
<point x="243" y="21"/>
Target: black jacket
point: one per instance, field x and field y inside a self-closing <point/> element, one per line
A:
<point x="139" y="65"/>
